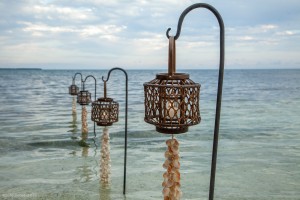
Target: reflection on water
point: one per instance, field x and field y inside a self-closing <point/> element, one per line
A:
<point x="73" y="124"/>
<point x="74" y="105"/>
<point x="104" y="193"/>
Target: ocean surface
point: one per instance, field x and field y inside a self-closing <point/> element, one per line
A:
<point x="259" y="147"/>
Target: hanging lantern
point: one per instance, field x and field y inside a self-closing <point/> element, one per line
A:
<point x="105" y="111"/>
<point x="73" y="89"/>
<point x="172" y="99"/>
<point x="84" y="97"/>
<point x="172" y="105"/>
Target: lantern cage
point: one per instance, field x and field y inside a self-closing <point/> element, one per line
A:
<point x="172" y="103"/>
<point x="73" y="89"/>
<point x="84" y="97"/>
<point x="105" y="111"/>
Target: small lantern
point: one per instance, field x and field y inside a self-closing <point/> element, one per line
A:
<point x="84" y="97"/>
<point x="73" y="89"/>
<point x="172" y="99"/>
<point x="105" y="111"/>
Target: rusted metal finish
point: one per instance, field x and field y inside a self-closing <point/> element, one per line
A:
<point x="105" y="111"/>
<point x="172" y="99"/>
<point x="84" y="97"/>
<point x="73" y="89"/>
<point x="172" y="105"/>
<point x="172" y="56"/>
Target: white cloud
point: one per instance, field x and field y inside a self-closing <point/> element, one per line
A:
<point x="58" y="12"/>
<point x="40" y="28"/>
<point x="288" y="32"/>
<point x="108" y="32"/>
<point x="133" y="32"/>
<point x="245" y="38"/>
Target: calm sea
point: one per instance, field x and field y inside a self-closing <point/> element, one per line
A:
<point x="259" y="146"/>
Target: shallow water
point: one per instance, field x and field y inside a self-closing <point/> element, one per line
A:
<point x="258" y="158"/>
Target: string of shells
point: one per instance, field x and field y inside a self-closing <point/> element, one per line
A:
<point x="105" y="161"/>
<point x="171" y="183"/>
<point x="85" y="128"/>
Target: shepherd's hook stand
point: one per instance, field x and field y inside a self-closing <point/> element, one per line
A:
<point x="220" y="84"/>
<point x="126" y="120"/>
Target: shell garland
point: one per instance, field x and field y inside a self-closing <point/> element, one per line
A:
<point x="85" y="128"/>
<point x="105" y="158"/>
<point x="171" y="183"/>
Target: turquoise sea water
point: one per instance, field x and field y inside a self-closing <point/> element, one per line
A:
<point x="259" y="146"/>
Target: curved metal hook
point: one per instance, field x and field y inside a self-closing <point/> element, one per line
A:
<point x="90" y="76"/>
<point x="95" y="95"/>
<point x="76" y="75"/>
<point x="115" y="68"/>
<point x="187" y="10"/>
<point x="95" y="83"/>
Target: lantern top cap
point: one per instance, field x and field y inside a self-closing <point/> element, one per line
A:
<point x="84" y="91"/>
<point x="105" y="99"/>
<point x="175" y="76"/>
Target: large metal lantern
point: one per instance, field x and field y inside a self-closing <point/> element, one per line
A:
<point x="172" y="99"/>
<point x="172" y="105"/>
<point x="105" y="111"/>
<point x="84" y="97"/>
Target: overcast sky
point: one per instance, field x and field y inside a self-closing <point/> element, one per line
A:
<point x="90" y="34"/>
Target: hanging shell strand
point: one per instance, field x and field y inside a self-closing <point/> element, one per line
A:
<point x="105" y="158"/>
<point x="85" y="128"/>
<point x="171" y="183"/>
<point x="74" y="106"/>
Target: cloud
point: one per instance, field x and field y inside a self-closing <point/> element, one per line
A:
<point x="60" y="12"/>
<point x="132" y="33"/>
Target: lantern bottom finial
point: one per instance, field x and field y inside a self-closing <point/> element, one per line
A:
<point x="169" y="130"/>
<point x="104" y="124"/>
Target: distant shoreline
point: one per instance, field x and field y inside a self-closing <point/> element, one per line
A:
<point x="20" y="68"/>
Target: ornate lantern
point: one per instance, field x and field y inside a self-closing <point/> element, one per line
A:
<point x="172" y="99"/>
<point x="84" y="97"/>
<point x="73" y="89"/>
<point x="105" y="111"/>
